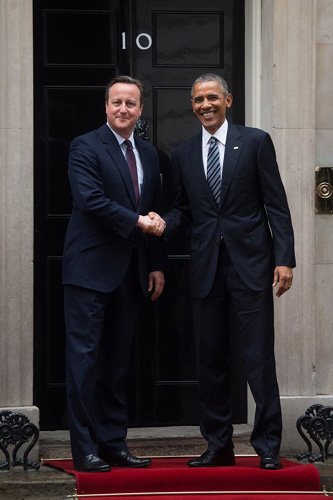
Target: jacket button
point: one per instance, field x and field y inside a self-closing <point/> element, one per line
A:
<point x="219" y="240"/>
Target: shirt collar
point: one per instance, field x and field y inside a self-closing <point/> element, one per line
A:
<point x="120" y="139"/>
<point x="220" y="134"/>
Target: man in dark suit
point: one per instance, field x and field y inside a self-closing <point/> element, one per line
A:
<point x="230" y="190"/>
<point x="113" y="256"/>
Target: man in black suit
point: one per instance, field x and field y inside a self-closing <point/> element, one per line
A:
<point x="112" y="257"/>
<point x="230" y="190"/>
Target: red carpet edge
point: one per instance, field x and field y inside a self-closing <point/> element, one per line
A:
<point x="171" y="477"/>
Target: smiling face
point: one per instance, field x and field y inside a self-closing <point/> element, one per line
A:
<point x="123" y="108"/>
<point x="209" y="103"/>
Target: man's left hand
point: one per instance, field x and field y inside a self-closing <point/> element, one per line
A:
<point x="156" y="284"/>
<point x="283" y="278"/>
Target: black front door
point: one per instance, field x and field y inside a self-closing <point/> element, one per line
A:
<point x="79" y="46"/>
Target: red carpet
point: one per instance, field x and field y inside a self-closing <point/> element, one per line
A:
<point x="171" y="478"/>
<point x="209" y="496"/>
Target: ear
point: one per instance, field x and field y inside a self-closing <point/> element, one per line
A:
<point x="229" y="100"/>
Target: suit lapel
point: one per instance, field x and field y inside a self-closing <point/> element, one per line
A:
<point x="112" y="146"/>
<point x="232" y="152"/>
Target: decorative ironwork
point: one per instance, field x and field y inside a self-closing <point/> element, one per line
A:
<point x="142" y="130"/>
<point x="16" y="430"/>
<point x="316" y="424"/>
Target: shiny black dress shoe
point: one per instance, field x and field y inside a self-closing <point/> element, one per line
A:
<point x="124" y="459"/>
<point x="269" y="461"/>
<point x="91" y="463"/>
<point x="212" y="458"/>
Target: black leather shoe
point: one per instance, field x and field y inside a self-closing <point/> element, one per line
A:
<point x="125" y="459"/>
<point x="213" y="459"/>
<point x="269" y="461"/>
<point x="91" y="463"/>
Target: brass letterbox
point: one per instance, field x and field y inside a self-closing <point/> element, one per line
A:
<point x="324" y="190"/>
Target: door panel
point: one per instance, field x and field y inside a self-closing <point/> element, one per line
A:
<point x="79" y="46"/>
<point x="188" y="39"/>
<point x="75" y="54"/>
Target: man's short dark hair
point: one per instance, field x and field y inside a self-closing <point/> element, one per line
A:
<point x="124" y="79"/>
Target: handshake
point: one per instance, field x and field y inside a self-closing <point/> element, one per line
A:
<point x="151" y="224"/>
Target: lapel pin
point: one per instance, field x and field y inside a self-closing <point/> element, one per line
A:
<point x="235" y="147"/>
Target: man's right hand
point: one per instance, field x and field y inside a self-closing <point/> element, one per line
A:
<point x="151" y="224"/>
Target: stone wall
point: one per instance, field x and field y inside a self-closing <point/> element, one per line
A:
<point x="297" y="110"/>
<point x="323" y="287"/>
<point x="16" y="207"/>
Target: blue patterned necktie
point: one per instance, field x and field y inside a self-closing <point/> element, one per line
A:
<point x="131" y="162"/>
<point x="214" y="169"/>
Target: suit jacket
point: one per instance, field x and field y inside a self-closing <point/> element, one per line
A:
<point x="101" y="234"/>
<point x="252" y="217"/>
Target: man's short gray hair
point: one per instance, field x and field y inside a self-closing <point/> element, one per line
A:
<point x="211" y="77"/>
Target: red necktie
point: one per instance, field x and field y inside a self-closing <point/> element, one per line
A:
<point x="130" y="158"/>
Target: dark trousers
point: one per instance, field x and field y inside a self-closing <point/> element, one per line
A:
<point x="253" y="320"/>
<point x="100" y="329"/>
